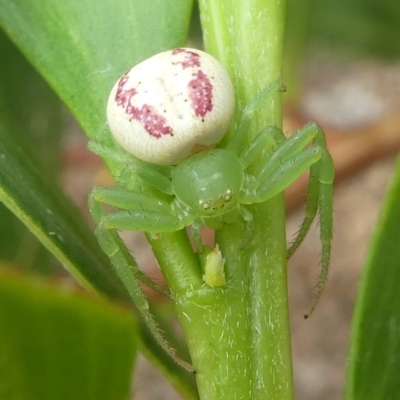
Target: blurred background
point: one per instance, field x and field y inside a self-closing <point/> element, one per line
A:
<point x="342" y="70"/>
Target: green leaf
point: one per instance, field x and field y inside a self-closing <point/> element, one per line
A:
<point x="184" y="383"/>
<point x="81" y="47"/>
<point x="31" y="105"/>
<point x="358" y="27"/>
<point x="56" y="343"/>
<point x="39" y="124"/>
<point x="41" y="205"/>
<point x="374" y="363"/>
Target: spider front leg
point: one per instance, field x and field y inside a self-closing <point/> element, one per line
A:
<point x="238" y="138"/>
<point x="123" y="263"/>
<point x="285" y="165"/>
<point x="115" y="249"/>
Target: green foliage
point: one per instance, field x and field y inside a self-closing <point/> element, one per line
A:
<point x="56" y="343"/>
<point x="356" y="28"/>
<point x="38" y="124"/>
<point x="41" y="205"/>
<point x="81" y="47"/>
<point x="366" y="28"/>
<point x="374" y="362"/>
<point x="350" y="29"/>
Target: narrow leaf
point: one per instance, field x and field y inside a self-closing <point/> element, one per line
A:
<point x="374" y="363"/>
<point x="41" y="205"/>
<point x="59" y="344"/>
<point x="39" y="124"/>
<point x="82" y="46"/>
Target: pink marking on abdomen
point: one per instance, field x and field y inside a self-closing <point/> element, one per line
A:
<point x="123" y="97"/>
<point x="154" y="123"/>
<point x="192" y="59"/>
<point x="200" y="93"/>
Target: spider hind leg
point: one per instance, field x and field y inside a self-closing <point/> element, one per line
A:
<point x="319" y="199"/>
<point x="291" y="159"/>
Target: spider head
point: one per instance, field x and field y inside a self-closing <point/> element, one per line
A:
<point x="208" y="183"/>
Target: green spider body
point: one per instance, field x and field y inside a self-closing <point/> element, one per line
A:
<point x="213" y="188"/>
<point x="208" y="183"/>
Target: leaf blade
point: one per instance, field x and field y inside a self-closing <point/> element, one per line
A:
<point x="373" y="366"/>
<point x="82" y="46"/>
<point x="60" y="344"/>
<point x="40" y="204"/>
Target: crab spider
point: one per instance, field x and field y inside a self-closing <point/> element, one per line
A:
<point x="212" y="187"/>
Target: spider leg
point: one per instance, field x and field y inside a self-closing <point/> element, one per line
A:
<point x="127" y="270"/>
<point x="120" y="198"/>
<point x="137" y="211"/>
<point x="105" y="152"/>
<point x="311" y="208"/>
<point x="238" y="138"/>
<point x="155" y="175"/>
<point x="285" y="165"/>
<point x="249" y="230"/>
<point x="323" y="179"/>
<point x="265" y="142"/>
<point x="196" y="235"/>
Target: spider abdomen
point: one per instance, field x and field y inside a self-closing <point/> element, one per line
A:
<point x="208" y="182"/>
<point x="171" y="105"/>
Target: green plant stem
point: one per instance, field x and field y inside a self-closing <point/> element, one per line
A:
<point x="239" y="335"/>
<point x="247" y="37"/>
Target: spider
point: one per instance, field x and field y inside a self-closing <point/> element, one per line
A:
<point x="215" y="186"/>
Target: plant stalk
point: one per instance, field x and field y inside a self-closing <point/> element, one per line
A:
<point x="239" y="335"/>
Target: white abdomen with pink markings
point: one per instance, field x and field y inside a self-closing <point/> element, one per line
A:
<point x="171" y="105"/>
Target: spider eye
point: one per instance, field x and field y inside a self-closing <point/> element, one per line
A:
<point x="204" y="204"/>
<point x="228" y="195"/>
